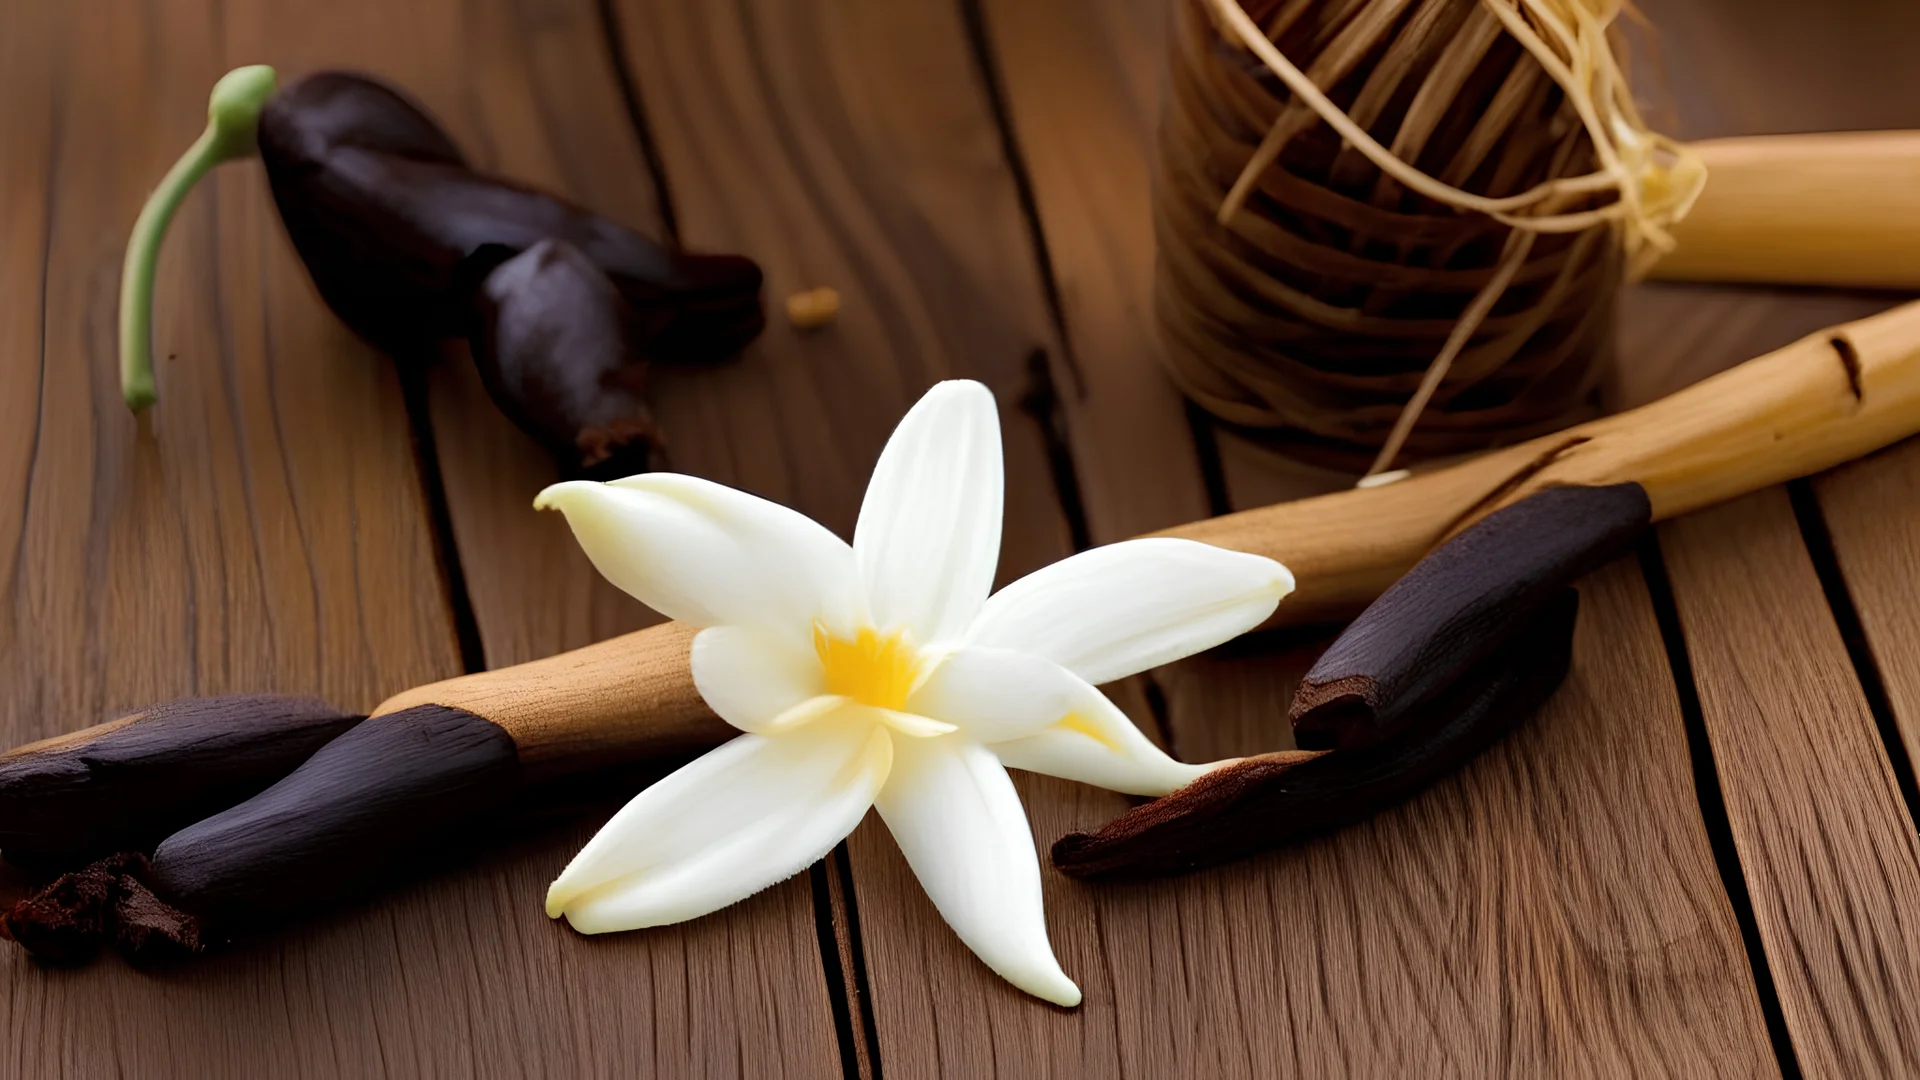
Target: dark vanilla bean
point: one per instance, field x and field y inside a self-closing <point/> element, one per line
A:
<point x="1459" y="605"/>
<point x="553" y="342"/>
<point x="389" y="219"/>
<point x="398" y="233"/>
<point x="1275" y="799"/>
<point x="344" y="821"/>
<point x="123" y="785"/>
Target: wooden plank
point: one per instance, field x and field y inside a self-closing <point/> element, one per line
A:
<point x="261" y="529"/>
<point x="839" y="145"/>
<point x="1867" y="509"/>
<point x="850" y="144"/>
<point x="462" y="974"/>
<point x="1826" y="841"/>
<point x="528" y="87"/>
<point x="1553" y="909"/>
<point x="1082" y="101"/>
<point x="1829" y="852"/>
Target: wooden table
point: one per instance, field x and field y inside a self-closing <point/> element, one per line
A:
<point x="1699" y="859"/>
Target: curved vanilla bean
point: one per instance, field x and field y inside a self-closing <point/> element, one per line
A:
<point x="398" y="233"/>
<point x="1458" y="605"/>
<point x="389" y="219"/>
<point x="1274" y="799"/>
<point x="123" y="785"/>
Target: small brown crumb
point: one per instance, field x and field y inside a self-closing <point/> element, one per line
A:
<point x="813" y="309"/>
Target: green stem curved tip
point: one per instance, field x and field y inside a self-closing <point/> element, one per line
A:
<point x="233" y="123"/>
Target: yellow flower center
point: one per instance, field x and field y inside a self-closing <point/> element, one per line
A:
<point x="872" y="668"/>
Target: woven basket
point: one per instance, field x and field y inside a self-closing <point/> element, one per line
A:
<point x="1313" y="312"/>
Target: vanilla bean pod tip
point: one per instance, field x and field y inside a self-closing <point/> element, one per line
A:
<point x="123" y="785"/>
<point x="1460" y="604"/>
<point x="1471" y="641"/>
<point x="552" y="301"/>
<point x="1272" y="800"/>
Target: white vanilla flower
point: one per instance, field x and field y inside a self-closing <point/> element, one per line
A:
<point x="882" y="674"/>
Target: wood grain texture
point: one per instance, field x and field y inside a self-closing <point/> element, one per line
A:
<point x="306" y="443"/>
<point x="851" y="144"/>
<point x="795" y="134"/>
<point x="1825" y="841"/>
<point x="1081" y="83"/>
<point x="1828" y="849"/>
<point x="1553" y="910"/>
<point x="1876" y="551"/>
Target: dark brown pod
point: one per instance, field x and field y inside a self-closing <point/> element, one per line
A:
<point x="1459" y="605"/>
<point x="553" y="345"/>
<point x="123" y="785"/>
<point x="389" y="219"/>
<point x="362" y="811"/>
<point x="347" y="819"/>
<point x="1282" y="798"/>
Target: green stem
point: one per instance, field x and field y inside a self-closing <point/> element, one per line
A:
<point x="233" y="122"/>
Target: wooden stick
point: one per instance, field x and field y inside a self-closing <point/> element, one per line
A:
<point x="626" y="699"/>
<point x="1839" y="208"/>
<point x="1825" y="399"/>
<point x="1828" y="398"/>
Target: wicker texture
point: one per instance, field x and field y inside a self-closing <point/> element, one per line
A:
<point x="1316" y="308"/>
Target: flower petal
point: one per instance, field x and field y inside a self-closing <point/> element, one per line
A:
<point x="751" y="677"/>
<point x="749" y="814"/>
<point x="708" y="555"/>
<point x="1096" y="744"/>
<point x="953" y="810"/>
<point x="998" y="694"/>
<point x="1112" y="611"/>
<point x="928" y="537"/>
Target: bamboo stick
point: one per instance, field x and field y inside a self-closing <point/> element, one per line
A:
<point x="1838" y="208"/>
<point x="1830" y="397"/>
<point x="629" y="698"/>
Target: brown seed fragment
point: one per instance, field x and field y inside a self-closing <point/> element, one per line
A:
<point x="813" y="308"/>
